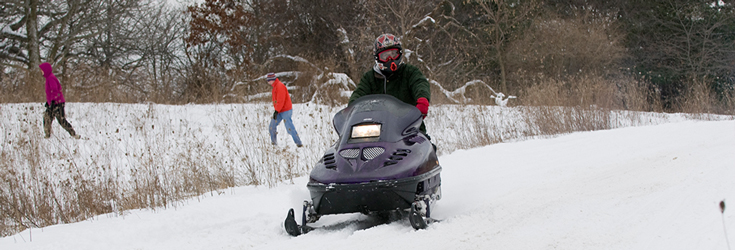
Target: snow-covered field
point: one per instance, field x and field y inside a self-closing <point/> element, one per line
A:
<point x="642" y="187"/>
<point x="125" y="143"/>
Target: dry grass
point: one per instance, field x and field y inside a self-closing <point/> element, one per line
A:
<point x="21" y="87"/>
<point x="143" y="156"/>
<point x="585" y="91"/>
<point x="701" y="101"/>
<point x="551" y="107"/>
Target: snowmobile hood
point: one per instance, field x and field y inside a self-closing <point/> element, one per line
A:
<point x="400" y="150"/>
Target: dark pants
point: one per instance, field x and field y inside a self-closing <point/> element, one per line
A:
<point x="56" y="111"/>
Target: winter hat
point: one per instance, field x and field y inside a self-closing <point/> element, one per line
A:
<point x="270" y="77"/>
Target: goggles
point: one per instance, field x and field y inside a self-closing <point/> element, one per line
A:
<point x="389" y="54"/>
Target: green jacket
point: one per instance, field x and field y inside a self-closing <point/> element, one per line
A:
<point x="407" y="84"/>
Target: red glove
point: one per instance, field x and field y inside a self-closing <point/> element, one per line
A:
<point x="423" y="105"/>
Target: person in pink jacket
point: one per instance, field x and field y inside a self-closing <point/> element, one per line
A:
<point x="54" y="103"/>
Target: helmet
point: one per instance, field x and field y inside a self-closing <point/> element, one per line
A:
<point x="388" y="53"/>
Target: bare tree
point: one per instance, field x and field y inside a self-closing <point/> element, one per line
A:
<point x="53" y="28"/>
<point x="679" y="43"/>
<point x="36" y="30"/>
<point x="18" y="45"/>
<point x="583" y="43"/>
<point x="162" y="48"/>
<point x="503" y="18"/>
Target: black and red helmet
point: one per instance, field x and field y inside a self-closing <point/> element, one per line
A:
<point x="388" y="53"/>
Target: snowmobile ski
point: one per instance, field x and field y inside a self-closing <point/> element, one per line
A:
<point x="417" y="221"/>
<point x="292" y="228"/>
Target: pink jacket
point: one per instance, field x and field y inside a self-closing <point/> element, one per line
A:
<point x="53" y="86"/>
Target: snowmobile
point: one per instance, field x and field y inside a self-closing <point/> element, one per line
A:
<point x="381" y="165"/>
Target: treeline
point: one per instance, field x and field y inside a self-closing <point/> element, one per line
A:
<point x="659" y="55"/>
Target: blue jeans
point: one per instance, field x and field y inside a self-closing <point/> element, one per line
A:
<point x="285" y="116"/>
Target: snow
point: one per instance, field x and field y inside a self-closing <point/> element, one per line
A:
<point x="642" y="187"/>
<point x="342" y="80"/>
<point x="458" y="95"/>
<point x="184" y="2"/>
<point x="423" y="21"/>
<point x="7" y="31"/>
<point x="295" y="58"/>
<point x="345" y="38"/>
<point x="500" y="101"/>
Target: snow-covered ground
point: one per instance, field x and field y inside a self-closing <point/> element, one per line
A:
<point x="645" y="187"/>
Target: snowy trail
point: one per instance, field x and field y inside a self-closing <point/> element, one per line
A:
<point x="631" y="188"/>
<point x="653" y="187"/>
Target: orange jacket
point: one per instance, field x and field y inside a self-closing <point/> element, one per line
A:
<point x="280" y="96"/>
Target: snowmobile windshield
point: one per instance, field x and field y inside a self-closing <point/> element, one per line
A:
<point x="376" y="118"/>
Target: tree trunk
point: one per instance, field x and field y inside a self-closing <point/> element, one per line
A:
<point x="501" y="62"/>
<point x="34" y="57"/>
<point x="35" y="78"/>
<point x="500" y="39"/>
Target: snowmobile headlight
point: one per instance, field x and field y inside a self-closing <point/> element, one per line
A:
<point x="365" y="131"/>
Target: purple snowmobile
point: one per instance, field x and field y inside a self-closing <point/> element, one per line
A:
<point x="381" y="165"/>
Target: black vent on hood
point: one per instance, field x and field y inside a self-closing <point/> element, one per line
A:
<point x="396" y="157"/>
<point x="329" y="161"/>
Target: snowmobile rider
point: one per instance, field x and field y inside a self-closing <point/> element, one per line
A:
<point x="391" y="75"/>
<point x="282" y="105"/>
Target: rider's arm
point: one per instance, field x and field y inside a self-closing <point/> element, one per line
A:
<point x="419" y="85"/>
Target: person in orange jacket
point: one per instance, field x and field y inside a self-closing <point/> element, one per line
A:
<point x="282" y="105"/>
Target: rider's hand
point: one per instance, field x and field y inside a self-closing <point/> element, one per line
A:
<point x="275" y="113"/>
<point x="423" y="105"/>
